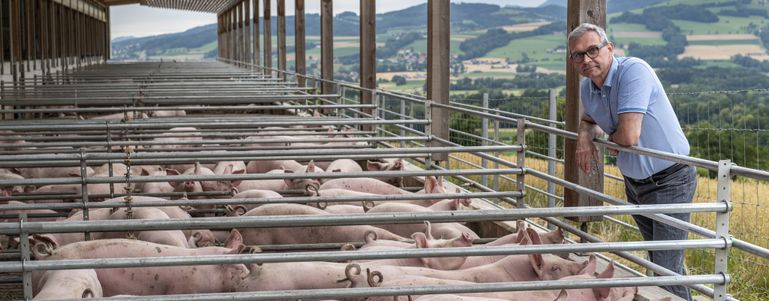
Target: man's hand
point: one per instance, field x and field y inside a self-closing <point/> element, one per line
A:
<point x="586" y="153"/>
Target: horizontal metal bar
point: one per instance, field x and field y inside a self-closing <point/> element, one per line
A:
<point x="254" y="154"/>
<point x="203" y="100"/>
<point x="260" y="176"/>
<point x="139" y="124"/>
<point x="185" y="108"/>
<point x="344" y="220"/>
<point x="261" y="201"/>
<point x="341" y="293"/>
<point x="66" y="264"/>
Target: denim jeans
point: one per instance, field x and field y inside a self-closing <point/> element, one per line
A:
<point x="675" y="184"/>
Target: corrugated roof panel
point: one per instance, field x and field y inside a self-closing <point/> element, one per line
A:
<point x="208" y="6"/>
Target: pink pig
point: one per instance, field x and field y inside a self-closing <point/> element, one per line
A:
<point x="153" y="280"/>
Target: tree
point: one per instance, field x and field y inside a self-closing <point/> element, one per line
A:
<point x="399" y="80"/>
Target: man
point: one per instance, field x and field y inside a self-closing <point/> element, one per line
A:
<point x="623" y="97"/>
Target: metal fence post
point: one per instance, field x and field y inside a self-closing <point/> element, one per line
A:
<point x="551" y="152"/>
<point x="84" y="189"/>
<point x="429" y="131"/>
<point x="403" y="116"/>
<point x="495" y="179"/>
<point x="485" y="135"/>
<point x="520" y="162"/>
<point x="722" y="229"/>
<point x="26" y="276"/>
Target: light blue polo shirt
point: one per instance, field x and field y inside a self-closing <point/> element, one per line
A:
<point x="639" y="91"/>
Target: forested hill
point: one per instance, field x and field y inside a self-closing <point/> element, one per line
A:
<point x="612" y="6"/>
<point x="464" y="17"/>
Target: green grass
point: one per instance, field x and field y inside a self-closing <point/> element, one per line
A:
<point x="534" y="47"/>
<point x="486" y="74"/>
<point x="725" y="42"/>
<point x="410" y="86"/>
<point x="726" y="25"/>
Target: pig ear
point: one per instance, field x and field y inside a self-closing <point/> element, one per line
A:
<point x="430" y="184"/>
<point x="429" y="230"/>
<point x="236" y="183"/>
<point x="454" y="205"/>
<point x="310" y="166"/>
<point x="562" y="296"/>
<point x="603" y="292"/>
<point x="420" y="239"/>
<point x="371" y="165"/>
<point x="235" y="240"/>
<point x="144" y="173"/>
<point x="608" y="272"/>
<point x="171" y="172"/>
<point x="537" y="263"/>
<point x="589" y="267"/>
<point x="467" y="238"/>
<point x="534" y="235"/>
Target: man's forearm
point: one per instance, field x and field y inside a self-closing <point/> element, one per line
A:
<point x="589" y="130"/>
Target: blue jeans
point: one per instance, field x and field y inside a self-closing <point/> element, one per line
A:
<point x="675" y="184"/>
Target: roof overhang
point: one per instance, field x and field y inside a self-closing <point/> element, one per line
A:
<point x="206" y="6"/>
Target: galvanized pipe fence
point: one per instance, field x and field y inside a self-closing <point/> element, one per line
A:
<point x="409" y="145"/>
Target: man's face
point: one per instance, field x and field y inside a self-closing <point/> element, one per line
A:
<point x="591" y="57"/>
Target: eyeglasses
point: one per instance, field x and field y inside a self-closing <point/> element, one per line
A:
<point x="592" y="52"/>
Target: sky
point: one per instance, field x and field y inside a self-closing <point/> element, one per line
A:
<point x="139" y="21"/>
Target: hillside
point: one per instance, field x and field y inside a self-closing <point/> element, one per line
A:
<point x="612" y="6"/>
<point x="465" y="17"/>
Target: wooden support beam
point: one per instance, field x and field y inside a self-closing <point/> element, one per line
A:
<point x="44" y="18"/>
<point x="2" y="37"/>
<point x="580" y="11"/>
<point x="255" y="19"/>
<point x="233" y="35"/>
<point x="282" y="37"/>
<point x="238" y="10"/>
<point x="267" y="35"/>
<point x="15" y="31"/>
<point x="247" y="42"/>
<point x="438" y="35"/>
<point x="300" y="62"/>
<point x="367" y="52"/>
<point x="326" y="45"/>
<point x="107" y="51"/>
<point x="27" y="27"/>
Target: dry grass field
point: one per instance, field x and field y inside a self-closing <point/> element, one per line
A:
<point x="524" y="26"/>
<point x="749" y="221"/>
<point x="720" y="52"/>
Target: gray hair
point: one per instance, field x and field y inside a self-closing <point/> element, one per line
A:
<point x="584" y="28"/>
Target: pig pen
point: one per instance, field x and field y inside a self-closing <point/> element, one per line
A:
<point x="329" y="196"/>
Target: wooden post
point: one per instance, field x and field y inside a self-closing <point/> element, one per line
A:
<point x="438" y="34"/>
<point x="299" y="42"/>
<point x="2" y="40"/>
<point x="43" y="36"/>
<point x="234" y="34"/>
<point x="15" y="39"/>
<point x="29" y="34"/>
<point x="267" y="36"/>
<point x="367" y="52"/>
<point x="326" y="44"/>
<point x="580" y="11"/>
<point x="247" y="10"/>
<point x="282" y="38"/>
<point x="238" y="9"/>
<point x="255" y="19"/>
